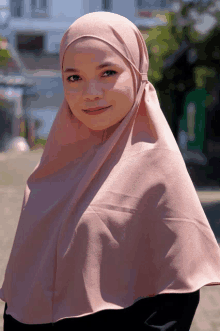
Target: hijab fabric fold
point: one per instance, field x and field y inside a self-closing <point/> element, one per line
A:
<point x="108" y="217"/>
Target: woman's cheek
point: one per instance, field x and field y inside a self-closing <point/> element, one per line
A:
<point x="71" y="101"/>
<point x="125" y="86"/>
<point x="70" y="95"/>
<point x="124" y="94"/>
<point x="68" y="91"/>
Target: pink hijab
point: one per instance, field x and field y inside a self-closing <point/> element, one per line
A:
<point x="108" y="221"/>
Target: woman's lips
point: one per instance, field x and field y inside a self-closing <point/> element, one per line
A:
<point x="95" y="112"/>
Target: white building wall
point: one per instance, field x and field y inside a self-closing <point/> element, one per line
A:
<point x="62" y="13"/>
<point x="95" y="5"/>
<point x="125" y="8"/>
<point x="52" y="41"/>
<point x="85" y="6"/>
<point x="69" y="9"/>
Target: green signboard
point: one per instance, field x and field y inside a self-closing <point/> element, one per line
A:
<point x="193" y="120"/>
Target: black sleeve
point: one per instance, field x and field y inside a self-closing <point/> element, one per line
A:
<point x="167" y="312"/>
<point x="164" y="312"/>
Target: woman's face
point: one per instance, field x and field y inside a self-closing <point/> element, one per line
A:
<point x="97" y="77"/>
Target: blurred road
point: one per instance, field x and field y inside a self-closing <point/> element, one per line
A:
<point x="14" y="171"/>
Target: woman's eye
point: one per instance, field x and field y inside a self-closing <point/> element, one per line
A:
<point x="110" y="73"/>
<point x="73" y="78"/>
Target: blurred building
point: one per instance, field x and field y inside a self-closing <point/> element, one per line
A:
<point x="37" y="26"/>
<point x="15" y="94"/>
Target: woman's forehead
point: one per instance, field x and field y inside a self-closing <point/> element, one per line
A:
<point x="86" y="49"/>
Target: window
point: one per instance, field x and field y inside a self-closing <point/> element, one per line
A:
<point x="151" y="4"/>
<point x="17" y="7"/>
<point x="107" y="5"/>
<point x="39" y="8"/>
<point x="31" y="43"/>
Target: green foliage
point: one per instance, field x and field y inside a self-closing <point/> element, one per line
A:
<point x="161" y="43"/>
<point x="217" y="15"/>
<point x="194" y="37"/>
<point x="4" y="53"/>
<point x="209" y="100"/>
<point x="38" y="144"/>
<point x="201" y="74"/>
<point x="23" y="128"/>
<point x="22" y="134"/>
<point x="40" y="141"/>
<point x="165" y="40"/>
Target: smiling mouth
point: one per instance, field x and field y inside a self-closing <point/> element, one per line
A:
<point x="96" y="110"/>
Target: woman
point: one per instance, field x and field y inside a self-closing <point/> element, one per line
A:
<point x="112" y="233"/>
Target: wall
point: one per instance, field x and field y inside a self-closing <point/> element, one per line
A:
<point x="61" y="15"/>
<point x="63" y="10"/>
<point x="125" y="8"/>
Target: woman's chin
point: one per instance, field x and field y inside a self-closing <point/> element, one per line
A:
<point x="102" y="127"/>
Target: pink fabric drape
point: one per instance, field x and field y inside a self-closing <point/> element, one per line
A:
<point x="108" y="219"/>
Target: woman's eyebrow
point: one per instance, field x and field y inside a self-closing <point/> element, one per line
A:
<point x="103" y="65"/>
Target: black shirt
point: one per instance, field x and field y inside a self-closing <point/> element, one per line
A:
<point x="164" y="312"/>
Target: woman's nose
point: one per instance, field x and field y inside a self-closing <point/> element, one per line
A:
<point x="93" y="90"/>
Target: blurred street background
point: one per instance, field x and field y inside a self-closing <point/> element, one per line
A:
<point x="183" y="41"/>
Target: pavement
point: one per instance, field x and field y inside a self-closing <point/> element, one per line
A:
<point x="14" y="171"/>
